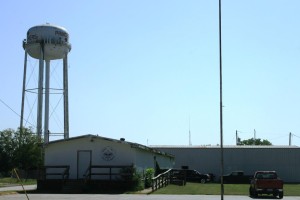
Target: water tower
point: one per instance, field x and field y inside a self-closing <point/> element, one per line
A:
<point x="47" y="42"/>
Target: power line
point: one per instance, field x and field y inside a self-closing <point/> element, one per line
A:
<point x="14" y="111"/>
<point x="9" y="107"/>
<point x="296" y="135"/>
<point x="282" y="136"/>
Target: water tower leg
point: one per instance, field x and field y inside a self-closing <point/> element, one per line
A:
<point x="66" y="97"/>
<point x="47" y="86"/>
<point x="40" y="94"/>
<point x="23" y="91"/>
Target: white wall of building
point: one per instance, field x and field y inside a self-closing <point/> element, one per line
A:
<point x="144" y="160"/>
<point x="80" y="152"/>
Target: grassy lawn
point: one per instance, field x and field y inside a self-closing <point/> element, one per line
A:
<point x="214" y="189"/>
<point x="291" y="189"/>
<point x="14" y="181"/>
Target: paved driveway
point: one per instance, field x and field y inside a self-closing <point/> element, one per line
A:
<point x="18" y="188"/>
<point x="116" y="197"/>
<point x="125" y="197"/>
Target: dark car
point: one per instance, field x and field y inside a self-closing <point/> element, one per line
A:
<point x="190" y="175"/>
<point x="236" y="177"/>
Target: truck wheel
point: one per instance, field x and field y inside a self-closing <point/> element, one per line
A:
<point x="202" y="180"/>
<point x="255" y="194"/>
<point x="280" y="195"/>
<point x="250" y="192"/>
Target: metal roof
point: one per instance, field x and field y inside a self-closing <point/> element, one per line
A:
<point x="122" y="140"/>
<point x="226" y="146"/>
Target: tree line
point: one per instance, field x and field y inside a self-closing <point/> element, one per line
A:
<point x="20" y="149"/>
<point x="253" y="141"/>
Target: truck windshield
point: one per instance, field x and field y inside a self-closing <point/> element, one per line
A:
<point x="266" y="176"/>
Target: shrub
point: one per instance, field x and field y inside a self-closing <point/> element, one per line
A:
<point x="148" y="177"/>
<point x="134" y="181"/>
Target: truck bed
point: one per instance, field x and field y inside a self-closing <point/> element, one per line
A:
<point x="269" y="184"/>
<point x="266" y="182"/>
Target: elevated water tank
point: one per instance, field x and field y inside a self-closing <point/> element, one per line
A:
<point x="53" y="39"/>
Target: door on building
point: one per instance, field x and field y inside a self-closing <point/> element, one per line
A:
<point x="84" y="160"/>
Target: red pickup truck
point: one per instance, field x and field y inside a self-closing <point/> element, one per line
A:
<point x="266" y="182"/>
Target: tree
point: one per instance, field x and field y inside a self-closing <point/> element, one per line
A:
<point x="28" y="151"/>
<point x="19" y="149"/>
<point x="253" y="141"/>
<point x="6" y="151"/>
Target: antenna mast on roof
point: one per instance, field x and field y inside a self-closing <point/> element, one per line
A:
<point x="236" y="138"/>
<point x="254" y="136"/>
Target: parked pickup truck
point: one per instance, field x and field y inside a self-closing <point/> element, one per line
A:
<point x="266" y="182"/>
<point x="236" y="177"/>
<point x="190" y="175"/>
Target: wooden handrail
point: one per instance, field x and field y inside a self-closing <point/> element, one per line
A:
<point x="64" y="174"/>
<point x="161" y="180"/>
<point x="89" y="172"/>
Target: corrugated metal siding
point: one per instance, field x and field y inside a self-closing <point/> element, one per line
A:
<point x="286" y="161"/>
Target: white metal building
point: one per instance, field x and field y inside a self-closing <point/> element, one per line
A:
<point x="80" y="152"/>
<point x="206" y="159"/>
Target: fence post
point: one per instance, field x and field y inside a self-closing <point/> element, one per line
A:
<point x="152" y="185"/>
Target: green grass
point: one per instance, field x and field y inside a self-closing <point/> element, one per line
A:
<point x="14" y="181"/>
<point x="291" y="189"/>
<point x="215" y="189"/>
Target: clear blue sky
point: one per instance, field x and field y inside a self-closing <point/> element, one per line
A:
<point x="141" y="69"/>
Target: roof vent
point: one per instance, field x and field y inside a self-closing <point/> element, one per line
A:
<point x="122" y="139"/>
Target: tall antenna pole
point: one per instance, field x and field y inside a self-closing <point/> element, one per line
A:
<point x="190" y="140"/>
<point x="221" y="102"/>
<point x="290" y="139"/>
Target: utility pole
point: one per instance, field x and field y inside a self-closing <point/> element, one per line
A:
<point x="290" y="139"/>
<point x="221" y="102"/>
